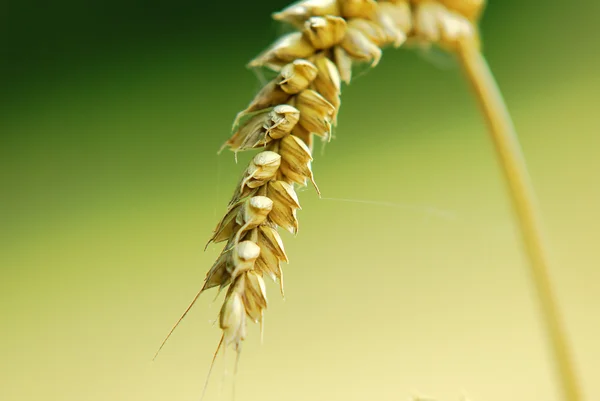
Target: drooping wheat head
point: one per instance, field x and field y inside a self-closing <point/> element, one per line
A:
<point x="301" y="102"/>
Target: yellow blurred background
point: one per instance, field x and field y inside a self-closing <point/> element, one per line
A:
<point x="406" y="279"/>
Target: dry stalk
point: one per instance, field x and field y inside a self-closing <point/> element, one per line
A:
<point x="302" y="101"/>
<point x="515" y="170"/>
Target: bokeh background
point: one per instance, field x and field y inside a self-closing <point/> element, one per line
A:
<point x="413" y="284"/>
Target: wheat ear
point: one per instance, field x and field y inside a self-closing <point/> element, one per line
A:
<point x="303" y="101"/>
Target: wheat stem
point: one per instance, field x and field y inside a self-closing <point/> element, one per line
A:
<point x="524" y="201"/>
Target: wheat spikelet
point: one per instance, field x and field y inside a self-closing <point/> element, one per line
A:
<point x="303" y="100"/>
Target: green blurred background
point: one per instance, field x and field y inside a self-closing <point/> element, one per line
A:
<point x="110" y="185"/>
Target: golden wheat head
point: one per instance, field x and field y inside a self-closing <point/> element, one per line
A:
<point x="301" y="102"/>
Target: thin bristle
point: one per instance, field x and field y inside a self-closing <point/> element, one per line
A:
<point x="177" y="323"/>
<point x="210" y="369"/>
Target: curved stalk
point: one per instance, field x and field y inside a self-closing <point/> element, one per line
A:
<point x="524" y="202"/>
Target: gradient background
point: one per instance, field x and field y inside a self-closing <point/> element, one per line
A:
<point x="111" y="115"/>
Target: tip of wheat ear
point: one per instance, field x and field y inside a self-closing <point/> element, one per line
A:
<point x="301" y="102"/>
